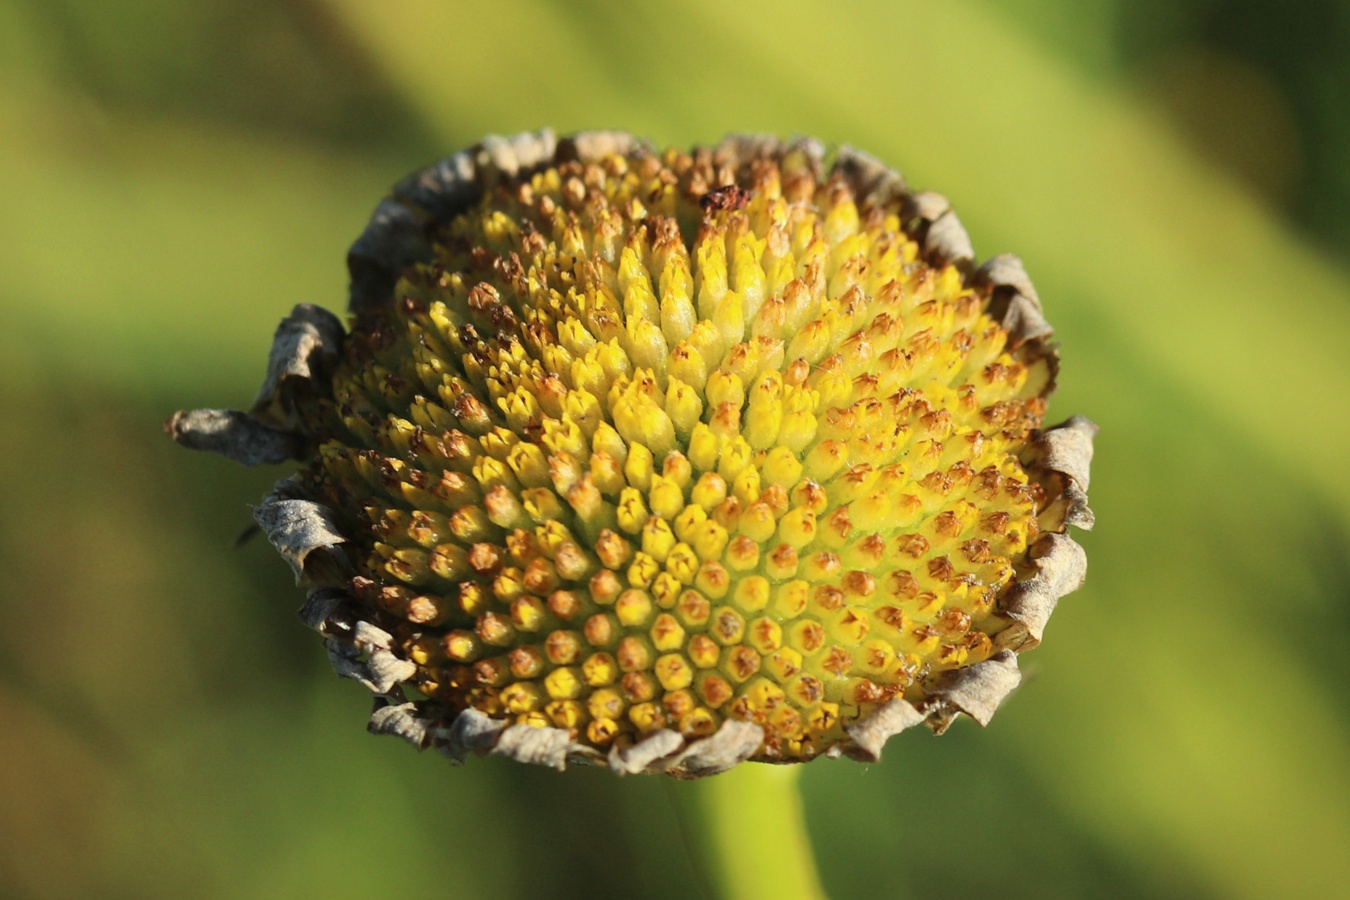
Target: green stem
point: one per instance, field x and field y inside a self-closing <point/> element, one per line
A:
<point x="754" y="834"/>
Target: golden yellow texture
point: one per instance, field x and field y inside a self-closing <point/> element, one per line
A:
<point x="653" y="443"/>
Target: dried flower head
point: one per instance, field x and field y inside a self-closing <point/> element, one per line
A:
<point x="668" y="460"/>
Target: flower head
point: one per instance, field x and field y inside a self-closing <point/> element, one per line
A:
<point x="667" y="460"/>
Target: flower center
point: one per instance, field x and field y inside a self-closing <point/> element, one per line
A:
<point x="653" y="443"/>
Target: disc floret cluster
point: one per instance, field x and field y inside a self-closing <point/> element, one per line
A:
<point x="648" y="443"/>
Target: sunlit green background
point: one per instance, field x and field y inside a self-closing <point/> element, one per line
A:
<point x="174" y="176"/>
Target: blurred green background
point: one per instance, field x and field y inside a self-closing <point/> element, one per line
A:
<point x="174" y="176"/>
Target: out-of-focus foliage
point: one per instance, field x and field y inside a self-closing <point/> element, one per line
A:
<point x="1256" y="86"/>
<point x="176" y="176"/>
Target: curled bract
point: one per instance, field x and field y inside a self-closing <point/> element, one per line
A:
<point x="665" y="461"/>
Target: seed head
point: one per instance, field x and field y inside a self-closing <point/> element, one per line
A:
<point x="668" y="460"/>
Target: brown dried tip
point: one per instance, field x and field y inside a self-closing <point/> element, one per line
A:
<point x="665" y="461"/>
